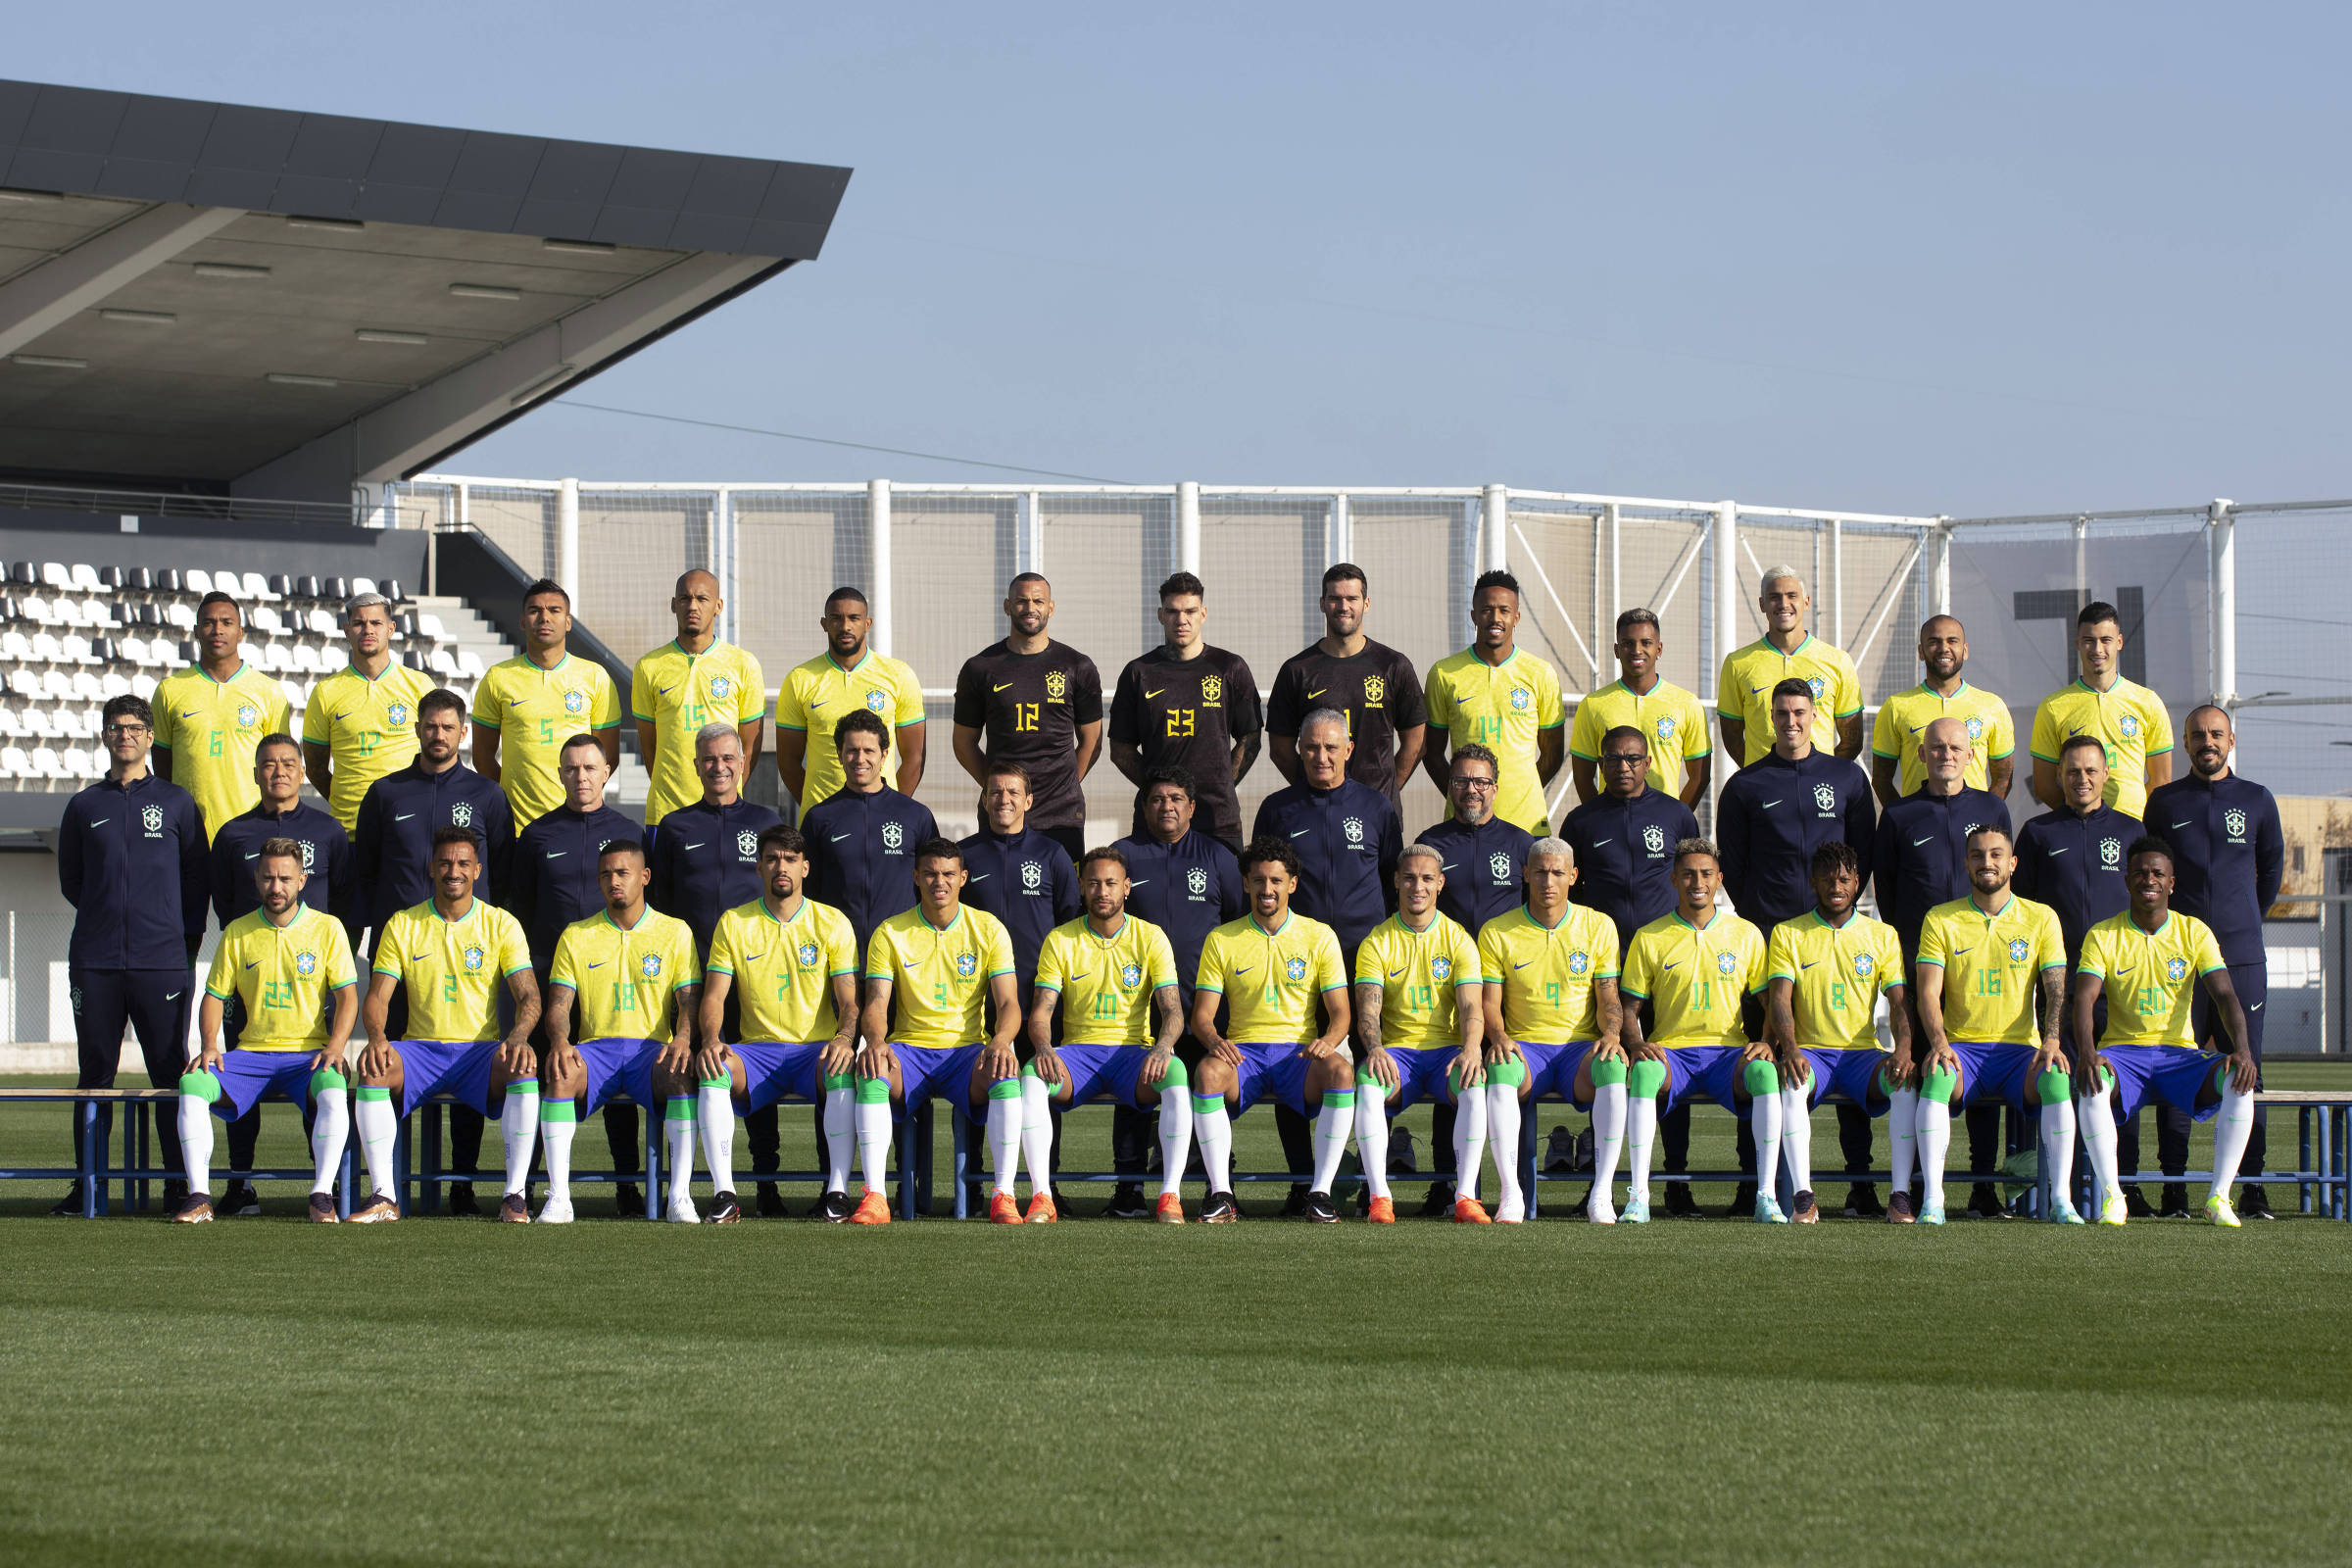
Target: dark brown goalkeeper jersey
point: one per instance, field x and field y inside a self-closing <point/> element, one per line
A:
<point x="1188" y="713"/>
<point x="1028" y="707"/>
<point x="1378" y="689"/>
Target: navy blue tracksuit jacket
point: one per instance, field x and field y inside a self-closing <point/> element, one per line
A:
<point x="1772" y="816"/>
<point x="555" y="874"/>
<point x="1482" y="866"/>
<point x="132" y="860"/>
<point x="1625" y="856"/>
<point x="1187" y="889"/>
<point x="2075" y="865"/>
<point x="1026" y="880"/>
<point x="332" y="888"/>
<point x="861" y="856"/>
<point x="705" y="862"/>
<point x="392" y="841"/>
<point x="1349" y="839"/>
<point x="1921" y="855"/>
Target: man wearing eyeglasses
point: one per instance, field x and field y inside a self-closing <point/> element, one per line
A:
<point x="1625" y="836"/>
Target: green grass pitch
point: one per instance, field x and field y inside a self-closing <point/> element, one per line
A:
<point x="261" y="1392"/>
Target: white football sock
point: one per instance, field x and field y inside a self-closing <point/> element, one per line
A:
<point x="2233" y="1130"/>
<point x="1175" y="1139"/>
<point x="1796" y="1136"/>
<point x="518" y="1129"/>
<point x="677" y="1148"/>
<point x="1372" y="1133"/>
<point x="715" y="1119"/>
<point x="1935" y="1144"/>
<point x="840" y="1137"/>
<point x="1640" y="1142"/>
<point x="555" y="1133"/>
<point x="331" y="1128"/>
<point x="1335" y="1120"/>
<point x="2096" y="1115"/>
<point x="1902" y="1137"/>
<point x="196" y="1143"/>
<point x="1764" y="1127"/>
<point x="874" y="1143"/>
<point x="1212" y="1127"/>
<point x="1037" y="1134"/>
<point x="379" y="1126"/>
<point x="1004" y="1134"/>
<point x="1608" y="1145"/>
<point x="1502" y="1136"/>
<point x="1469" y="1141"/>
<point x="2058" y="1147"/>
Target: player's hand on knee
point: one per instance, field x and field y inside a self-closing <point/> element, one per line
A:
<point x="1047" y="1063"/>
<point x="207" y="1057"/>
<point x="713" y="1061"/>
<point x="1607" y="1049"/>
<point x="514" y="1059"/>
<point x="1943" y="1058"/>
<point x="837" y="1057"/>
<point x="997" y="1061"/>
<point x="328" y="1062"/>
<point x="1502" y="1048"/>
<point x="2243" y="1073"/>
<point x="1647" y="1050"/>
<point x="1793" y="1067"/>
<point x="1470" y="1068"/>
<point x="1759" y="1050"/>
<point x="1155" y="1066"/>
<point x="564" y="1062"/>
<point x="1226" y="1051"/>
<point x="675" y="1058"/>
<point x="378" y="1060"/>
<point x="1380" y="1068"/>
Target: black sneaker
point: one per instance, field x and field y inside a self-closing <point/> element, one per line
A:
<point x="1862" y="1202"/>
<point x="1126" y="1203"/>
<point x="1294" y="1205"/>
<point x="2136" y="1203"/>
<point x="2173" y="1203"/>
<point x="1219" y="1208"/>
<point x="462" y="1201"/>
<point x="69" y="1206"/>
<point x="725" y="1211"/>
<point x="1319" y="1209"/>
<point x="629" y="1200"/>
<point x="1743" y="1202"/>
<point x="1402" y="1160"/>
<point x="2254" y="1202"/>
<point x="770" y="1204"/>
<point x="1559" y="1151"/>
<point x="1440" y="1202"/>
<point x="835" y="1207"/>
<point x="240" y="1202"/>
<point x="1679" y="1203"/>
<point x="1984" y="1202"/>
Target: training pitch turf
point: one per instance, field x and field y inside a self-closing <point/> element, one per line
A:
<point x="261" y="1391"/>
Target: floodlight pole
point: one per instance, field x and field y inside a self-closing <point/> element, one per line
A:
<point x="1496" y="515"/>
<point x="568" y="537"/>
<point x="1187" y="526"/>
<point x="878" y="521"/>
<point x="2221" y="542"/>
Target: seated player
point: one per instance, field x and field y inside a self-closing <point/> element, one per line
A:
<point x="1112" y="974"/>
<point x="1271" y="965"/>
<point x="1418" y="1024"/>
<point x="1980" y="960"/>
<point x="941" y="962"/>
<point x="1696" y="969"/>
<point x="450" y="953"/>
<point x="796" y="961"/>
<point x="1552" y="1022"/>
<point x="2148" y="961"/>
<point x="290" y="966"/>
<point x="1827" y="971"/>
<point x="633" y="971"/>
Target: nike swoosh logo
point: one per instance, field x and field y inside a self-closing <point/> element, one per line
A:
<point x="985" y="875"/>
<point x="255" y="855"/>
<point x="1916" y="843"/>
<point x="666" y="690"/>
<point x="557" y="854"/>
<point x="102" y="821"/>
<point x="1445" y="866"/>
<point x="1319" y="691"/>
<point x="518" y="702"/>
<point x="1916" y="728"/>
<point x="255" y="965"/>
<point x="1597" y="844"/>
<point x="2056" y="853"/>
<point x="1237" y="973"/>
<point x="2180" y="824"/>
<point x="404" y="816"/>
<point x="191" y="712"/>
<point x="2071" y="733"/>
<point x="1663" y="967"/>
<point x="1958" y="952"/>
<point x="1531" y="960"/>
<point x="696" y="846"/>
<point x="838" y="837"/>
<point x="1302" y="832"/>
<point x="1139" y="883"/>
<point x="175" y="997"/>
<point x="1769" y="804"/>
<point x="415" y="958"/>
<point x="1754" y="689"/>
<point x="2124" y="974"/>
<point x="1007" y="686"/>
<point x="1154" y="694"/>
<point x="340" y="717"/>
<point x="598" y="965"/>
<point x="818" y="701"/>
<point x="2257" y="1007"/>
<point x="1393" y="974"/>
<point x="754" y="958"/>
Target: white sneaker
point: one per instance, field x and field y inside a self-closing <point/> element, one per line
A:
<point x="1598" y="1209"/>
<point x="1511" y="1214"/>
<point x="683" y="1213"/>
<point x="554" y="1211"/>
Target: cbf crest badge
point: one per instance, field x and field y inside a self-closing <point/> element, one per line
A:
<point x="475" y="957"/>
<point x="396" y="714"/>
<point x="1196" y="881"/>
<point x="1665" y="726"/>
<point x="747" y="844"/>
<point x="152" y="819"/>
<point x="1521" y="697"/>
<point x="1815" y="683"/>
<point x="462" y="815"/>
<point x="1863" y="965"/>
<point x="650" y="967"/>
<point x="1579" y="962"/>
<point x="1353" y="827"/>
<point x="1725" y="964"/>
<point x="1058" y="685"/>
<point x="1131" y="975"/>
<point x="1976" y="729"/>
<point x="1500" y="865"/>
<point x="2176" y="969"/>
<point x="720" y="687"/>
<point x="2018" y="950"/>
<point x="248" y="715"/>
<point x="1376" y="690"/>
<point x="2111" y="853"/>
<point x="1032" y="874"/>
<point x="1296" y="969"/>
<point x="876" y="700"/>
<point x="2129" y="725"/>
<point x="1653" y="839"/>
<point x="306" y="964"/>
<point x="967" y="965"/>
<point x="2235" y="821"/>
<point x="1825" y="797"/>
<point x="575" y="701"/>
<point x="808" y="954"/>
<point x="1212" y="689"/>
<point x="893" y="836"/>
<point x="1440" y="969"/>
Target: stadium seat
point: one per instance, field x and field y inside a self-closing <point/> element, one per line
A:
<point x="15" y="761"/>
<point x="16" y="647"/>
<point x="85" y="578"/>
<point x="169" y="581"/>
<point x="392" y="590"/>
<point x="105" y="650"/>
<point x="362" y="585"/>
<point x="332" y="658"/>
<point x="197" y="582"/>
<point x="37" y="611"/>
<point x="338" y="589"/>
<point x="57" y="685"/>
<point x="23" y="573"/>
<point x="232" y="584"/>
<point x="39" y="722"/>
<point x="469" y="664"/>
<point x="47" y="649"/>
<point x="256" y="587"/>
<point x="431" y="626"/>
<point x="74" y="648"/>
<point x="114" y="683"/>
<point x="55" y="575"/>
<point x="114" y="579"/>
<point x="87" y="688"/>
<point x="46" y="763"/>
<point x="305" y="658"/>
<point x="142" y="686"/>
<point x="441" y="664"/>
<point x="281" y="585"/>
<point x="181" y="615"/>
<point x="414" y="660"/>
<point x="322" y="623"/>
<point x="25" y="684"/>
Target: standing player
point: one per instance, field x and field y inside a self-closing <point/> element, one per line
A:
<point x="290" y="967"/>
<point x="1112" y="973"/>
<point x="528" y="709"/>
<point x="1895" y="768"/>
<point x="1752" y="675"/>
<point x="210" y="718"/>
<point x="1271" y="966"/>
<point x="1040" y="704"/>
<point x="1500" y="696"/>
<point x="1419" y="1021"/>
<point x="1188" y="705"/>
<point x="796" y="1021"/>
<point x="1919" y="859"/>
<point x="1553" y="1021"/>
<point x="357" y="725"/>
<point x="681" y="688"/>
<point x="556" y="884"/>
<point x="2127" y="717"/>
<point x="1624" y="838"/>
<point x="1981" y="959"/>
<point x="131" y="859"/>
<point x="448" y="956"/>
<point x="1672" y="724"/>
<point x="1699" y="970"/>
<point x="403" y="810"/>
<point x="1827" y="969"/>
<point x="2228" y="862"/>
<point x="945" y="964"/>
<point x="1371" y="684"/>
<point x="2148" y="961"/>
<point x="848" y="677"/>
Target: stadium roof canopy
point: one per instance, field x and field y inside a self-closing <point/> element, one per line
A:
<point x="257" y="302"/>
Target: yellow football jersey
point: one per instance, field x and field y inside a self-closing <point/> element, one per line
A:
<point x="1744" y="690"/>
<point x="283" y="974"/>
<point x="213" y="728"/>
<point x="2128" y="719"/>
<point x="1106" y="983"/>
<point x="679" y="693"/>
<point x="2150" y="979"/>
<point x="1271" y="980"/>
<point x="1693" y="978"/>
<point x="815" y="694"/>
<point x="783" y="971"/>
<point x="1419" y="975"/>
<point x="939" y="979"/>
<point x="625" y="980"/>
<point x="1546" y="972"/>
<point x="1835" y="974"/>
<point x="1504" y="708"/>
<point x="1990" y="964"/>
<point x="452" y="968"/>
<point x="1904" y="717"/>
<point x="1669" y="717"/>
<point x="535" y="711"/>
<point x="369" y="728"/>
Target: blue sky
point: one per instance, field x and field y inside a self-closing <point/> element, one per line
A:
<point x="1978" y="259"/>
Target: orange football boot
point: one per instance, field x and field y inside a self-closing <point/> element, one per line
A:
<point x="1470" y="1211"/>
<point x="1041" y="1210"/>
<point x="872" y="1209"/>
<point x="1004" y="1210"/>
<point x="1382" y="1213"/>
<point x="1171" y="1209"/>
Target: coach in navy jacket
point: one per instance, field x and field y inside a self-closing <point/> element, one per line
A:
<point x="332" y="885"/>
<point x="1181" y="880"/>
<point x="1345" y="834"/>
<point x="1624" y="839"/>
<point x="394" y="840"/>
<point x="1781" y="808"/>
<point x="705" y="861"/>
<point x="1921" y="855"/>
<point x="555" y="871"/>
<point x="862" y="844"/>
<point x="1481" y="855"/>
<point x="1017" y="873"/>
<point x="2072" y="859"/>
